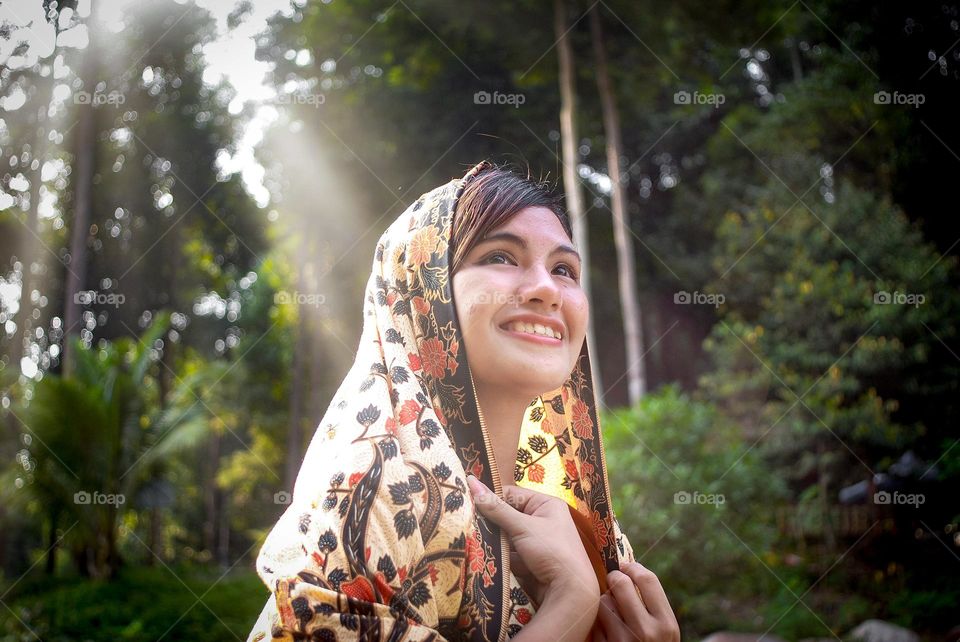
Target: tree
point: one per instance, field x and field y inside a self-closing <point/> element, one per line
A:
<point x="629" y="303"/>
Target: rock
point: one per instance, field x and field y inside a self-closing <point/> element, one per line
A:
<point x="880" y="631"/>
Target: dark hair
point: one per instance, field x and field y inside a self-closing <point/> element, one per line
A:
<point x="491" y="198"/>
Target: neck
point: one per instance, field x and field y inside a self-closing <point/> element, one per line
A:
<point x="503" y="415"/>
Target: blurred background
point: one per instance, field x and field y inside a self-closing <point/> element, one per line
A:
<point x="190" y="195"/>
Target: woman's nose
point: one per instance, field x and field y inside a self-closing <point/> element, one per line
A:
<point x="538" y="284"/>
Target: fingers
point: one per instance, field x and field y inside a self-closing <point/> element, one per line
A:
<point x="611" y="627"/>
<point x="495" y="509"/>
<point x="651" y="592"/>
<point x="632" y="609"/>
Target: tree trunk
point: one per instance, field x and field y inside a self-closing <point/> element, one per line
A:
<point x="295" y="432"/>
<point x="210" y="494"/>
<point x="626" y="264"/>
<point x="571" y="180"/>
<point x="84" y="163"/>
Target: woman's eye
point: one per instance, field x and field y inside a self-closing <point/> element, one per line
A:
<point x="495" y="254"/>
<point x="570" y="271"/>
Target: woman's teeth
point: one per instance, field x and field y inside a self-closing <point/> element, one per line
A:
<point x="533" y="328"/>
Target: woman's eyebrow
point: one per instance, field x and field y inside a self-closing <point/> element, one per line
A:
<point x="513" y="238"/>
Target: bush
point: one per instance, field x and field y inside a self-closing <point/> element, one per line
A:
<point x="141" y="604"/>
<point x="697" y="504"/>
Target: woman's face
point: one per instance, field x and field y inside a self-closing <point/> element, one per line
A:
<point x="524" y="273"/>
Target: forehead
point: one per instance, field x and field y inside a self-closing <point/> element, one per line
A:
<point x="535" y="224"/>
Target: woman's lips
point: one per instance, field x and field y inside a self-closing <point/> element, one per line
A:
<point x="535" y="338"/>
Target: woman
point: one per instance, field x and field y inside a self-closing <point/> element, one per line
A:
<point x="383" y="539"/>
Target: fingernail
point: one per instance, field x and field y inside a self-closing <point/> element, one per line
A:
<point x="477" y="487"/>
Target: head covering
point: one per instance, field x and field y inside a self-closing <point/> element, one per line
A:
<point x="381" y="540"/>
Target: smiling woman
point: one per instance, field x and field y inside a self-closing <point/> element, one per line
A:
<point x="383" y="538"/>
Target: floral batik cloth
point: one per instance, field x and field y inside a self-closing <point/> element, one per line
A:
<point x="381" y="540"/>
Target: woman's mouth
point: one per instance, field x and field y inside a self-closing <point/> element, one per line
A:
<point x="533" y="332"/>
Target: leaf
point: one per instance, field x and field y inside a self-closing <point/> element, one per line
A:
<point x="405" y="522"/>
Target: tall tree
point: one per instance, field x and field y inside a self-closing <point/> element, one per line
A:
<point x="571" y="179"/>
<point x="626" y="262"/>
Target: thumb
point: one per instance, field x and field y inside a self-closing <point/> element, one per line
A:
<point x="494" y="508"/>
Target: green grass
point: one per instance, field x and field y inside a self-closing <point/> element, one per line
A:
<point x="141" y="604"/>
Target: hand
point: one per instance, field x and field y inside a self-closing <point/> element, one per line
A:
<point x="549" y="554"/>
<point x="635" y="608"/>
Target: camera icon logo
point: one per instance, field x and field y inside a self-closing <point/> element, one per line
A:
<point x="681" y="297"/>
<point x="881" y="497"/>
<point x="283" y="497"/>
<point x="481" y="98"/>
<point x="681" y="98"/>
<point x="681" y="497"/>
<point x="82" y="497"/>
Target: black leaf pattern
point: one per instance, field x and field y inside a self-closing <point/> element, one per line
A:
<point x="518" y="473"/>
<point x="538" y="444"/>
<point x="386" y="566"/>
<point x="388" y="447"/>
<point x="327" y="542"/>
<point x="301" y="608"/>
<point x="324" y="609"/>
<point x="416" y="483"/>
<point x="430" y="428"/>
<point x="518" y="597"/>
<point x="344" y="505"/>
<point x="524" y="456"/>
<point x="419" y="594"/>
<point x="399" y="374"/>
<point x="330" y="502"/>
<point x="336" y="576"/>
<point x="336" y="480"/>
<point x="441" y="471"/>
<point x="378" y="368"/>
<point x="453" y="501"/>
<point x="367" y="383"/>
<point x="557" y="404"/>
<point x="536" y="414"/>
<point x="392" y="336"/>
<point x="304" y="522"/>
<point x="368" y="415"/>
<point x="400" y="493"/>
<point x="405" y="522"/>
<point x="425" y="443"/>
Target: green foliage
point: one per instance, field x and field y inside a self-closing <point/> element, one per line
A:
<point x="809" y="355"/>
<point x="672" y="444"/>
<point x="140" y="604"/>
<point x="103" y="431"/>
